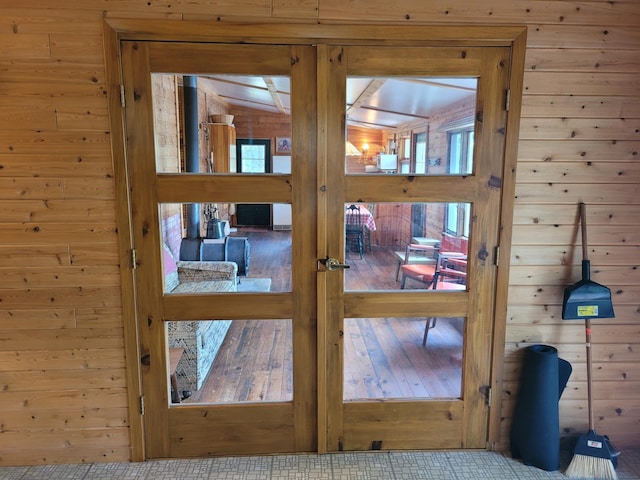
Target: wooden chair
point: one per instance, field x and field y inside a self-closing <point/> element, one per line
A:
<point x="450" y="275"/>
<point x="425" y="257"/>
<point x="354" y="229"/>
<point x="418" y="264"/>
<point x="416" y="268"/>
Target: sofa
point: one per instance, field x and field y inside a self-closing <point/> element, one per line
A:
<point x="200" y="339"/>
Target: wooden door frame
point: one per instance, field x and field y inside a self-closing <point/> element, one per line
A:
<point x="117" y="30"/>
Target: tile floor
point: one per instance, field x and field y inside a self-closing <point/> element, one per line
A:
<point x="338" y="466"/>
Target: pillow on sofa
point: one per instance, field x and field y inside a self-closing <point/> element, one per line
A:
<point x="171" y="280"/>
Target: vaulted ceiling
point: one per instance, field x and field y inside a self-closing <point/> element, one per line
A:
<point x="380" y="103"/>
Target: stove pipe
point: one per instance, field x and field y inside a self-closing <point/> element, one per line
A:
<point x="192" y="160"/>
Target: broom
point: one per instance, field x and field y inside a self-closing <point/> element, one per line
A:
<point x="593" y="454"/>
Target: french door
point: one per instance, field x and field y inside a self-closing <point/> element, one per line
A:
<point x="322" y="307"/>
<point x="414" y="415"/>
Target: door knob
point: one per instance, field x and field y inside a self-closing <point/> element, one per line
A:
<point x="331" y="264"/>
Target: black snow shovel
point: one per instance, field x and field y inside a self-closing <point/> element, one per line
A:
<point x="586" y="299"/>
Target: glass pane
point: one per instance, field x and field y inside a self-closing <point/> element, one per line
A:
<point x="224" y="361"/>
<point x="403" y="358"/>
<point x="391" y="246"/>
<point x="410" y="126"/>
<point x="205" y="249"/>
<point x="253" y="159"/>
<point x="200" y="136"/>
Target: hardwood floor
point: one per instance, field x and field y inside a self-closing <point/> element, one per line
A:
<point x="383" y="357"/>
<point x="254" y="364"/>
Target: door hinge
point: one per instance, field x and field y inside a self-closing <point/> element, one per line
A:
<point x="507" y="103"/>
<point x="486" y="391"/>
<point x="496" y="258"/>
<point x="141" y="404"/>
<point x="122" y="100"/>
<point x="134" y="259"/>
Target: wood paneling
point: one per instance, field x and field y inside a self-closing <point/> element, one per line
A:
<point x="549" y="150"/>
<point x="295" y="8"/>
<point x="252" y="123"/>
<point x="581" y="128"/>
<point x="460" y="11"/>
<point x="62" y="345"/>
<point x="580" y="142"/>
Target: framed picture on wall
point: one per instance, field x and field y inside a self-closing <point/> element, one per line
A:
<point x="283" y="144"/>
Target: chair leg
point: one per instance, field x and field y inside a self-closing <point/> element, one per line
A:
<point x="431" y="322"/>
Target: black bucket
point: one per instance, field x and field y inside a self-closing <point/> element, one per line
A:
<point x="215" y="228"/>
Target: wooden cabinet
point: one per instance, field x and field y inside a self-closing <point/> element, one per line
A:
<point x="222" y="147"/>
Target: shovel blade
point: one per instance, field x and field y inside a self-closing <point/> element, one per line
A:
<point x="587" y="299"/>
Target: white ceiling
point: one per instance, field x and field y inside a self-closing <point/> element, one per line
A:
<point x="380" y="103"/>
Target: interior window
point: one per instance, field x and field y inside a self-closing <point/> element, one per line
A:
<point x="254" y="155"/>
<point x="421" y="153"/>
<point x="404" y="151"/>
<point x="460" y="162"/>
<point x="461" y="151"/>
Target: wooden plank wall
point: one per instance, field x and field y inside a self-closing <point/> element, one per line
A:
<point x="251" y="123"/>
<point x="61" y="327"/>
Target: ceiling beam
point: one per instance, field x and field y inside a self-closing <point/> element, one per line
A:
<point x="378" y="126"/>
<point x="245" y="101"/>
<point x="275" y="95"/>
<point x="367" y="93"/>
<point x="393" y="112"/>
<point x="422" y="81"/>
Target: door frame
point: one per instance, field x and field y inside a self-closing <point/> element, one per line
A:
<point x="116" y="30"/>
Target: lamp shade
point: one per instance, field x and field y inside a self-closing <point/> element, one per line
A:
<point x="351" y="150"/>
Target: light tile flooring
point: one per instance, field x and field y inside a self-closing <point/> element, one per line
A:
<point x="342" y="466"/>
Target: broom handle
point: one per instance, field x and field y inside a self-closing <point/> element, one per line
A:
<point x="587" y="321"/>
<point x="587" y="329"/>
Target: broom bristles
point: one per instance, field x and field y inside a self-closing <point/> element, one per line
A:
<point x="585" y="466"/>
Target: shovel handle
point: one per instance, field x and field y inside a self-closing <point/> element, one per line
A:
<point x="587" y="321"/>
<point x="583" y="225"/>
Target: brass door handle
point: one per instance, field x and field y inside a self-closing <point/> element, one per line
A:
<point x="332" y="264"/>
